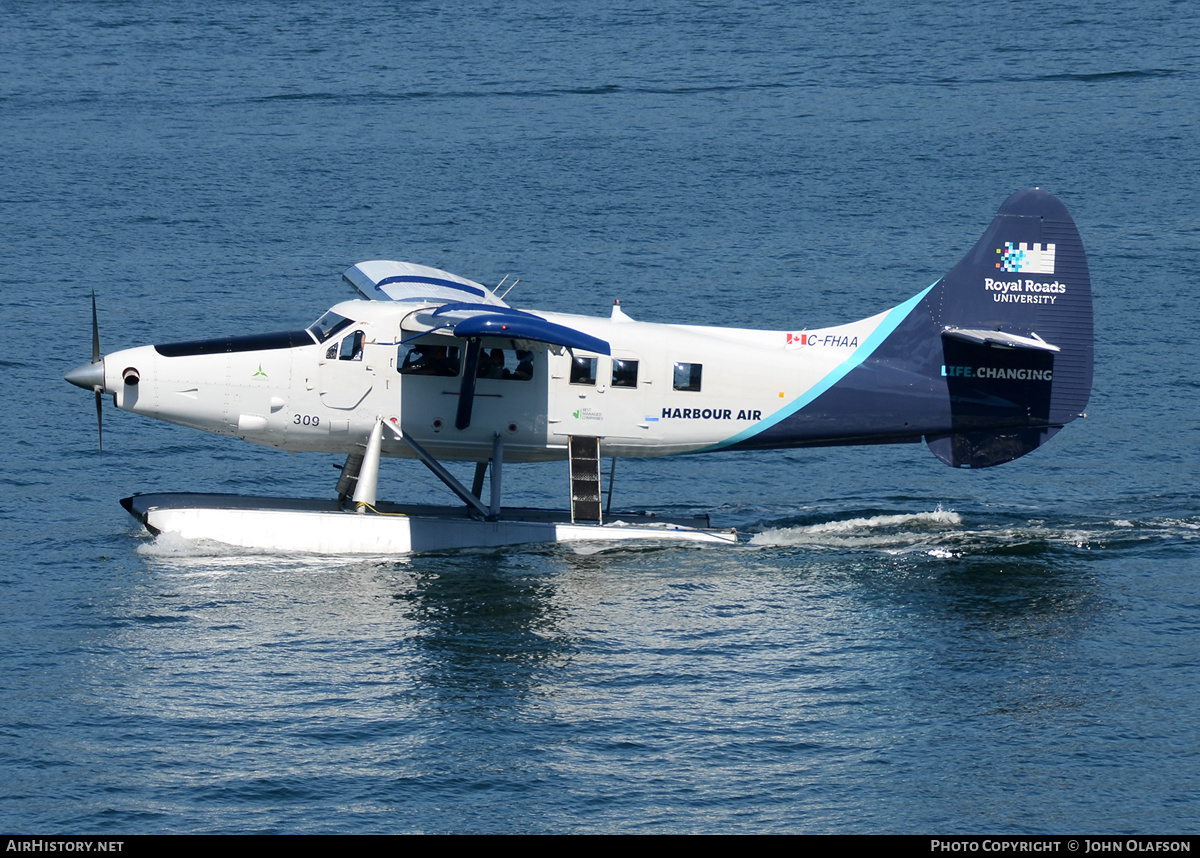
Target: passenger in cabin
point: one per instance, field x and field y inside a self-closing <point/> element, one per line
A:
<point x="491" y="364"/>
<point x="442" y="363"/>
<point x="524" y="370"/>
<point x="414" y="360"/>
<point x="505" y="364"/>
<point x="430" y="360"/>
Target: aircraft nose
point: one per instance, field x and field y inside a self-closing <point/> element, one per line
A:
<point x="89" y="376"/>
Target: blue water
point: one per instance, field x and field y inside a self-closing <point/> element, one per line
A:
<point x="895" y="646"/>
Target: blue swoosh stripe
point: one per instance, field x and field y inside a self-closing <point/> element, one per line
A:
<point x="894" y="317"/>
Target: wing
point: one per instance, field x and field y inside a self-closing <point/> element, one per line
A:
<point x="385" y="280"/>
<point x="466" y="321"/>
<point x="458" y="306"/>
<point x="450" y="305"/>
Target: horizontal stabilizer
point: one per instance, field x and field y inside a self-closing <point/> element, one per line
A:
<point x="999" y="338"/>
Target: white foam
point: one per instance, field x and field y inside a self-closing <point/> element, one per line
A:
<point x="897" y="532"/>
<point x="201" y="557"/>
<point x="174" y="546"/>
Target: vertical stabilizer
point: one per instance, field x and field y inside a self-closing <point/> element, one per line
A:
<point x="1016" y="326"/>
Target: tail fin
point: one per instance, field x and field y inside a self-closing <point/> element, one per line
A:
<point x="1016" y="327"/>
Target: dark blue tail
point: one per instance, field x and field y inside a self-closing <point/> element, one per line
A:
<point x="985" y="365"/>
<point x="1015" y="321"/>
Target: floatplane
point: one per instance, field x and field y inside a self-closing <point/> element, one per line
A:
<point x="985" y="365"/>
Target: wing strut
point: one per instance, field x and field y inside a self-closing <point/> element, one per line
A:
<point x="466" y="393"/>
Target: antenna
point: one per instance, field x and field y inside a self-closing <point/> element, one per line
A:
<point x="510" y="288"/>
<point x="498" y="285"/>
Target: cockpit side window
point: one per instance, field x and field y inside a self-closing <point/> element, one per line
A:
<point x="687" y="376"/>
<point x="583" y="370"/>
<point x="428" y="359"/>
<point x="328" y="326"/>
<point x="350" y="348"/>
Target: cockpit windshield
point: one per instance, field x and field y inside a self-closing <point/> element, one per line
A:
<point x="327" y="326"/>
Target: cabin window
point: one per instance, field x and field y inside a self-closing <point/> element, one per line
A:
<point x="328" y="325"/>
<point x="624" y="373"/>
<point x="583" y="370"/>
<point x="506" y="364"/>
<point x="428" y="359"/>
<point x="687" y="376"/>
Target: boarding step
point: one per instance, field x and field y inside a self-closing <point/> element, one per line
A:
<point x="585" y="479"/>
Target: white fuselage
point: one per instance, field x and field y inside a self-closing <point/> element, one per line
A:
<point x="664" y="389"/>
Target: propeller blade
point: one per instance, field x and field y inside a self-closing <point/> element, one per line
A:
<point x="97" y="390"/>
<point x="95" y="332"/>
<point x="99" y="421"/>
<point x="91" y="376"/>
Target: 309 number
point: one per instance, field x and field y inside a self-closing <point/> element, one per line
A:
<point x="306" y="420"/>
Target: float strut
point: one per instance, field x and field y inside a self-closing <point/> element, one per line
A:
<point x="477" y="485"/>
<point x="497" y="460"/>
<point x="368" y="473"/>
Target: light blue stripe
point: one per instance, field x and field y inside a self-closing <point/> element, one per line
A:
<point x="894" y="317"/>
